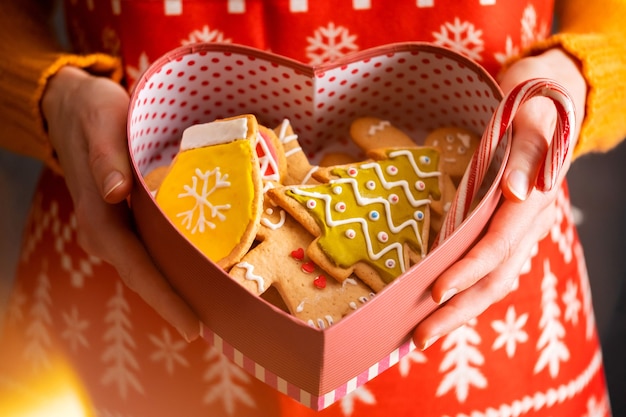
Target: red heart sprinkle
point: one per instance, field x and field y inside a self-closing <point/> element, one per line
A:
<point x="308" y="267"/>
<point x="320" y="282"/>
<point x="298" y="254"/>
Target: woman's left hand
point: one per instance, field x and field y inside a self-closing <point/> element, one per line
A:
<point x="488" y="272"/>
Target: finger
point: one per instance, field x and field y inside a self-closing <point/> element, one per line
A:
<point x="105" y="128"/>
<point x="533" y="128"/>
<point x="511" y="223"/>
<point x="488" y="277"/>
<point x="468" y="304"/>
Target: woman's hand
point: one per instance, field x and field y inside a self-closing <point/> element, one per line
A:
<point x="489" y="270"/>
<point x="86" y="119"/>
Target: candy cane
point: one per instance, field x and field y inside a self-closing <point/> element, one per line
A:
<point x="495" y="132"/>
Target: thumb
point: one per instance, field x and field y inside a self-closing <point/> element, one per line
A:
<point x="533" y="128"/>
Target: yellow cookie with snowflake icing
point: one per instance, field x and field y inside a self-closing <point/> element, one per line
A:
<point x="213" y="191"/>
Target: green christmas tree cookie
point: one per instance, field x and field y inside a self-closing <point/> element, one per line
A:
<point x="369" y="218"/>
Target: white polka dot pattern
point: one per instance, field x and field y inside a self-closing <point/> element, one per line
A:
<point x="417" y="87"/>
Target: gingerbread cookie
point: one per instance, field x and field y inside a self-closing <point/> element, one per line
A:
<point x="372" y="133"/>
<point x="370" y="219"/>
<point x="154" y="178"/>
<point x="279" y="261"/>
<point x="213" y="191"/>
<point x="336" y="158"/>
<point x="300" y="170"/>
<point x="457" y="146"/>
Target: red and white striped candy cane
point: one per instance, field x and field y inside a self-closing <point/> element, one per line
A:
<point x="495" y="132"/>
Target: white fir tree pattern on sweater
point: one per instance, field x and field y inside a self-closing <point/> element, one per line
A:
<point x="121" y="366"/>
<point x="38" y="327"/>
<point x="552" y="349"/>
<point x="226" y="382"/>
<point x="461" y="363"/>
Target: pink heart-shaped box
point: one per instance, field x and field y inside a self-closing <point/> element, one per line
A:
<point x="417" y="87"/>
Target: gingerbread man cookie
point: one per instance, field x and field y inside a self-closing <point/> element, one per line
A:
<point x="457" y="146"/>
<point x="279" y="260"/>
<point x="372" y="133"/>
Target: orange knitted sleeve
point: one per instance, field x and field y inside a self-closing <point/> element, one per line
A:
<point x="29" y="56"/>
<point x="594" y="32"/>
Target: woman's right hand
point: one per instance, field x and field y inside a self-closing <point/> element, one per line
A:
<point x="86" y="118"/>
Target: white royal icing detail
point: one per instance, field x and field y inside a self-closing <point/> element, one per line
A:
<point x="309" y="174"/>
<point x="378" y="127"/>
<point x="267" y="161"/>
<point x="199" y="217"/>
<point x="274" y="226"/>
<point x="282" y="135"/>
<point x="251" y="276"/>
<point x="214" y="133"/>
<point x="392" y="170"/>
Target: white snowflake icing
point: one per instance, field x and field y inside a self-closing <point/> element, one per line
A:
<point x="329" y="43"/>
<point x="550" y="343"/>
<point x="571" y="302"/>
<point x="120" y="362"/>
<point x="206" y="34"/>
<point x="75" y="328"/>
<point x="462" y="37"/>
<point x="134" y="73"/>
<point x="225" y="380"/>
<point x="510" y="331"/>
<point x="361" y="394"/>
<point x="461" y="362"/>
<point x="168" y="350"/>
<point x="201" y="188"/>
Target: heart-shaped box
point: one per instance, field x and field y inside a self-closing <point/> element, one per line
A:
<point x="416" y="86"/>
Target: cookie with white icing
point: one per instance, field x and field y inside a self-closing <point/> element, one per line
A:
<point x="370" y="219"/>
<point x="457" y="146"/>
<point x="213" y="189"/>
<point x="280" y="260"/>
<point x="373" y="133"/>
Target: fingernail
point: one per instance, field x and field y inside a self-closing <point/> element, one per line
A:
<point x="448" y="295"/>
<point x="184" y="335"/>
<point x="518" y="184"/>
<point x="201" y="329"/>
<point x="430" y="342"/>
<point x="112" y="182"/>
